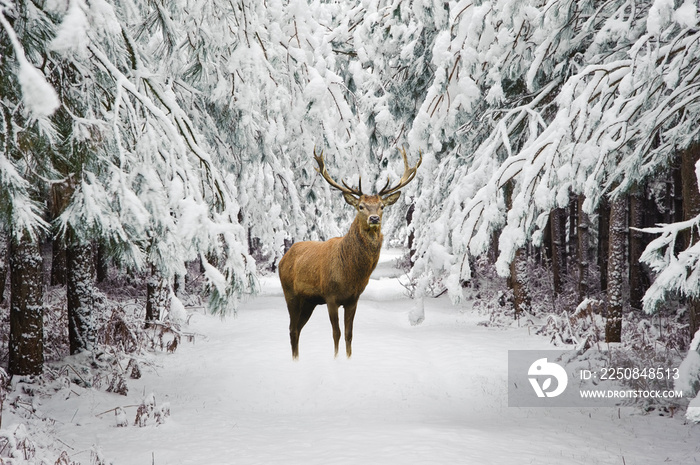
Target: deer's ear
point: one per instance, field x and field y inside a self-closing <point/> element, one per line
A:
<point x="351" y="199"/>
<point x="391" y="199"/>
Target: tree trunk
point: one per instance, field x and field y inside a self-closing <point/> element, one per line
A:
<point x="3" y="263"/>
<point x="58" y="263"/>
<point x="616" y="269"/>
<point x="637" y="275"/>
<point x="691" y="209"/>
<point x="156" y="297"/>
<point x="544" y="252"/>
<point x="519" y="282"/>
<point x="603" y="242"/>
<point x="582" y="250"/>
<point x="80" y="277"/>
<point x="26" y="347"/>
<point x="60" y="195"/>
<point x="677" y="211"/>
<point x="101" y="262"/>
<point x="411" y="234"/>
<point x="557" y="222"/>
<point x="573" y="229"/>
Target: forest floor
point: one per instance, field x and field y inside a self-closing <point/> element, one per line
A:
<point x="434" y="393"/>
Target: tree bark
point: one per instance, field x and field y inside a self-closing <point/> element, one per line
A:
<point x="582" y="249"/>
<point x="616" y="269"/>
<point x="603" y="242"/>
<point x="26" y="347"/>
<point x="637" y="275"/>
<point x="573" y="227"/>
<point x="677" y="211"/>
<point x="691" y="209"/>
<point x="411" y="234"/>
<point x="519" y="282"/>
<point x="3" y="263"/>
<point x="80" y="277"/>
<point x="60" y="195"/>
<point x="558" y="234"/>
<point x="101" y="262"/>
<point x="156" y="297"/>
<point x="58" y="263"/>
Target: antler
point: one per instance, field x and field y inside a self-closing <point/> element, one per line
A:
<point x="344" y="188"/>
<point x="408" y="175"/>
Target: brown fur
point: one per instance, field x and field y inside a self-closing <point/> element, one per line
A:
<point x="334" y="272"/>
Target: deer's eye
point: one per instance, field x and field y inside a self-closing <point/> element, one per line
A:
<point x="361" y="207"/>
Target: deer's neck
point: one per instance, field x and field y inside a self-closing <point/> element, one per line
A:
<point x="360" y="248"/>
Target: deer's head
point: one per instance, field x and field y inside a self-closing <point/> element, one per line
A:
<point x="370" y="207"/>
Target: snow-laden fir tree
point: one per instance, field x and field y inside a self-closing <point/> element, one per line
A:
<point x="555" y="98"/>
<point x="25" y="160"/>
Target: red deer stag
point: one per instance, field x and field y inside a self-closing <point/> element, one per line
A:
<point x="335" y="272"/>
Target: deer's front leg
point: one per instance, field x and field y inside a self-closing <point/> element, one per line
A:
<point x="349" y="318"/>
<point x="333" y="314"/>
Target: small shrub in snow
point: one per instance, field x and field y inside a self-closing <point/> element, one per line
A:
<point x="18" y="448"/>
<point x="133" y="369"/>
<point x="489" y="294"/>
<point x="55" y="324"/>
<point x="16" y="445"/>
<point x="148" y="413"/>
<point x="647" y="357"/>
<point x="64" y="459"/>
<point x="118" y="385"/>
<point x="120" y="332"/>
<point x="164" y="337"/>
<point x="120" y="416"/>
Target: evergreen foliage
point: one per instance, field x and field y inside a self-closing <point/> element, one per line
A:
<point x="173" y="132"/>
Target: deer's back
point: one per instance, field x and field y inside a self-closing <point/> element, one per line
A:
<point x="319" y="271"/>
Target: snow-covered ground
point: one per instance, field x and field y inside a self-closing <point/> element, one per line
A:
<point x="434" y="393"/>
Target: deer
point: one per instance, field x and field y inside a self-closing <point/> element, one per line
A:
<point x="336" y="272"/>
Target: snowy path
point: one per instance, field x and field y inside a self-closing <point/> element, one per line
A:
<point x="435" y="393"/>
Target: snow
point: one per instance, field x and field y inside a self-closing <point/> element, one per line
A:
<point x="687" y="14"/>
<point x="693" y="413"/>
<point x="659" y="15"/>
<point x="72" y="34"/>
<point x="177" y="314"/>
<point x="37" y="94"/>
<point x="689" y="378"/>
<point x="434" y="393"/>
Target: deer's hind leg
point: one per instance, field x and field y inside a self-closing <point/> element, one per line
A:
<point x="293" y="308"/>
<point x="294" y="315"/>
<point x="300" y="311"/>
<point x="306" y="309"/>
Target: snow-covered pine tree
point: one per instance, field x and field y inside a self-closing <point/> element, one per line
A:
<point x="584" y="98"/>
<point x="571" y="98"/>
<point x="152" y="190"/>
<point x="28" y="100"/>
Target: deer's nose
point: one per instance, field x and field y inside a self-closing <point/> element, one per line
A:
<point x="374" y="219"/>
